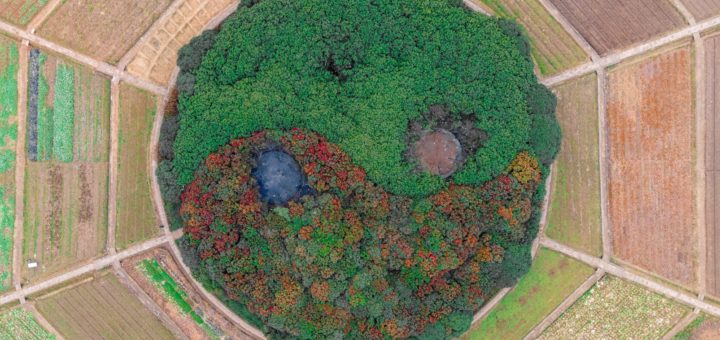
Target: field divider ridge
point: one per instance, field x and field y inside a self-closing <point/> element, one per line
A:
<point x="604" y="163"/>
<point x="700" y="180"/>
<point x="680" y="326"/>
<point x="23" y="55"/>
<point x="684" y="11"/>
<point x="113" y="166"/>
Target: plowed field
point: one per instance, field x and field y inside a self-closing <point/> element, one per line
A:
<point x="702" y="9"/>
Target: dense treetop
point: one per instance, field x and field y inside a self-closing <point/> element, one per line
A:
<point x="357" y="72"/>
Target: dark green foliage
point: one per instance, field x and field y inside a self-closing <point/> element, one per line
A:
<point x="170" y="191"/>
<point x="189" y="58"/>
<point x="545" y="137"/>
<point x="168" y="131"/>
<point x="514" y="30"/>
<point x="358" y="72"/>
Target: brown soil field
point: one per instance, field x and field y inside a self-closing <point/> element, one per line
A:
<point x="20" y="12"/>
<point x="574" y="212"/>
<point x="184" y="321"/>
<point x="702" y="9"/>
<point x="610" y="25"/>
<point x="553" y="49"/>
<point x="136" y="218"/>
<point x="651" y="128"/>
<point x="157" y="55"/>
<point x="105" y="30"/>
<point x="65" y="215"/>
<point x="100" y="309"/>
<point x="712" y="164"/>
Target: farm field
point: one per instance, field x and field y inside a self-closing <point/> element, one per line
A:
<point x="702" y="9"/>
<point x="105" y="30"/>
<point x="704" y="327"/>
<point x="156" y="58"/>
<point x="651" y="128"/>
<point x="615" y="309"/>
<point x="8" y="144"/>
<point x="712" y="164"/>
<point x="20" y="12"/>
<point x="574" y="212"/>
<point x="553" y="49"/>
<point x="136" y="218"/>
<point x="100" y="308"/>
<point x="66" y="177"/>
<point x="17" y="323"/>
<point x="551" y="279"/>
<point x="611" y="25"/>
<point x="160" y="277"/>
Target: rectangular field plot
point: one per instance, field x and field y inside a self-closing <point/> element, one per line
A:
<point x="552" y="278"/>
<point x="160" y="277"/>
<point x="17" y="323"/>
<point x="712" y="164"/>
<point x="20" y="12"/>
<point x="66" y="176"/>
<point x="702" y="9"/>
<point x="615" y="309"/>
<point x="703" y="327"/>
<point x="157" y="56"/>
<point x="611" y="25"/>
<point x="136" y="219"/>
<point x="553" y="49"/>
<point x="102" y="308"/>
<point x="8" y="144"/>
<point x="574" y="212"/>
<point x="105" y="30"/>
<point x="651" y="128"/>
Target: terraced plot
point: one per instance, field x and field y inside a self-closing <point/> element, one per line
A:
<point x="66" y="179"/>
<point x="651" y="128"/>
<point x="106" y="29"/>
<point x="19" y="324"/>
<point x="136" y="218"/>
<point x="20" y="12"/>
<point x="8" y="145"/>
<point x="100" y="309"/>
<point x="156" y="57"/>
<point x="551" y="279"/>
<point x="615" y="309"/>
<point x="610" y="25"/>
<point x="553" y="49"/>
<point x="574" y="212"/>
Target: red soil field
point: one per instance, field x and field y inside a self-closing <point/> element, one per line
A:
<point x="614" y="24"/>
<point x="712" y="165"/>
<point x="651" y="195"/>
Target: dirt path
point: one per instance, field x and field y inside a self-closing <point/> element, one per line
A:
<point x="684" y="322"/>
<point x="41" y="16"/>
<point x="604" y="164"/>
<point x="701" y="178"/>
<point x="684" y="11"/>
<point x="113" y="173"/>
<point x="569" y="301"/>
<point x="20" y="165"/>
<point x="625" y="274"/>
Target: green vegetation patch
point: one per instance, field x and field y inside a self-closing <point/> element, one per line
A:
<point x="64" y="115"/>
<point x="551" y="279"/>
<point x="7" y="226"/>
<point x="163" y="281"/>
<point x="19" y="324"/>
<point x="8" y="90"/>
<point x="615" y="309"/>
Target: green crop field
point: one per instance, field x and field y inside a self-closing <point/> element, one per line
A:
<point x="551" y="279"/>
<point x="169" y="287"/>
<point x="8" y="138"/>
<point x="20" y="324"/>
<point x="20" y="12"/>
<point x="615" y="309"/>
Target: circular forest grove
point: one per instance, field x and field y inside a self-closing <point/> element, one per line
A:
<point x="357" y="169"/>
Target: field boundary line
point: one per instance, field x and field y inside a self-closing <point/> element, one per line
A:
<point x="475" y="7"/>
<point x="640" y="49"/>
<point x="44" y="323"/>
<point x="135" y="289"/>
<point x="97" y="65"/>
<point x="111" y="246"/>
<point x="486" y="309"/>
<point x="569" y="301"/>
<point x="684" y="11"/>
<point x="700" y="176"/>
<point x="604" y="164"/>
<point x="169" y="11"/>
<point x="41" y="16"/>
<point x="627" y="275"/>
<point x="570" y="29"/>
<point x="684" y="322"/>
<point x="85" y="269"/>
<point x="22" y="82"/>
